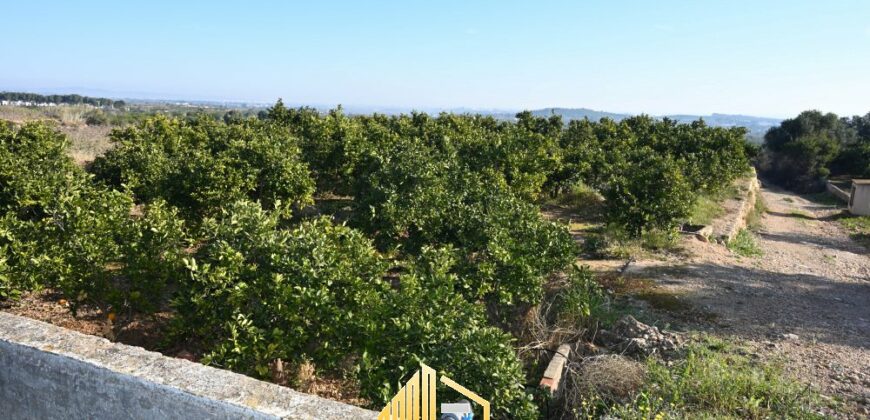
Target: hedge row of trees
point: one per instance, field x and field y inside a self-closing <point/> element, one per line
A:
<point x="802" y="152"/>
<point x="440" y="242"/>
<point x="60" y="99"/>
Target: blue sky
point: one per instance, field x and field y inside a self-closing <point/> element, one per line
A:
<point x="769" y="58"/>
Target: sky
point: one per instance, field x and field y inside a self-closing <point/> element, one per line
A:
<point x="765" y="58"/>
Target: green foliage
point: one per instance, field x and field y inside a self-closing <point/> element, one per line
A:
<point x="650" y="172"/>
<point x="257" y="293"/>
<point x="96" y="117"/>
<point x="446" y="207"/>
<point x="708" y="206"/>
<point x="580" y="299"/>
<point x="859" y="228"/>
<point x="744" y="245"/>
<point x="653" y="193"/>
<point x="7" y="289"/>
<point x="424" y="321"/>
<point x="596" y="245"/>
<point x="34" y="167"/>
<point x="614" y="242"/>
<point x="717" y="382"/>
<point x="200" y="165"/>
<point x="60" y="230"/>
<point x="804" y="150"/>
<point x="409" y="197"/>
<point x="151" y="257"/>
<point x="330" y="144"/>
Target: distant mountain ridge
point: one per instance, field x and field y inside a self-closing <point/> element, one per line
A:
<point x="757" y="126"/>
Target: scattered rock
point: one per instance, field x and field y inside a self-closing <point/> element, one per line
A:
<point x="634" y="338"/>
<point x="790" y="336"/>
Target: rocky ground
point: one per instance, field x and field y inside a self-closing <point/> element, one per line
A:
<point x="807" y="299"/>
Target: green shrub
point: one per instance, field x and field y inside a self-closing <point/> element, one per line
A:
<point x="652" y="193"/>
<point x="60" y="230"/>
<point x="451" y="200"/>
<point x="409" y="198"/>
<point x="800" y="149"/>
<point x="151" y="258"/>
<point x="580" y="299"/>
<point x="201" y="164"/>
<point x="89" y="247"/>
<point x="34" y="167"/>
<point x="660" y="240"/>
<point x="330" y="144"/>
<point x="258" y="293"/>
<point x="426" y="321"/>
<point x="96" y="118"/>
<point x="649" y="171"/>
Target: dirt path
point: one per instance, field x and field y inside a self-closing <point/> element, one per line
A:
<point x="806" y="299"/>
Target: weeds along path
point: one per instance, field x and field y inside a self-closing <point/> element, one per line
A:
<point x="806" y="299"/>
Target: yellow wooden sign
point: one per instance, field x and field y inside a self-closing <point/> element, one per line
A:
<point x="417" y="400"/>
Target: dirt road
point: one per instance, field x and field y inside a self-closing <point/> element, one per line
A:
<point x="807" y="299"/>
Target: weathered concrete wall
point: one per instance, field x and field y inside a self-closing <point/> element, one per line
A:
<point x="859" y="201"/>
<point x="48" y="372"/>
<point x="837" y="191"/>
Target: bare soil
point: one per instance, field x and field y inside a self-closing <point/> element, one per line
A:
<point x="806" y="300"/>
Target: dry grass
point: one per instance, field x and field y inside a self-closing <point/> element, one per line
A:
<point x="609" y="380"/>
<point x="19" y="114"/>
<point x="304" y="378"/>
<point x="87" y="142"/>
<point x="709" y="207"/>
<point x="611" y="376"/>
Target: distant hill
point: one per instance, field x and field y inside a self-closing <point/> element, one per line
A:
<point x="757" y="126"/>
<point x="578" y="114"/>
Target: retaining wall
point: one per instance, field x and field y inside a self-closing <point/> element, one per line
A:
<point x="738" y="221"/>
<point x="837" y="191"/>
<point x="48" y="372"/>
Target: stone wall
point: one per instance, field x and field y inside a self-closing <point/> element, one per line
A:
<point x="48" y="372"/>
<point x="738" y="219"/>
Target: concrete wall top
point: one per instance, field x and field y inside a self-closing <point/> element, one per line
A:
<point x="859" y="202"/>
<point x="51" y="372"/>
